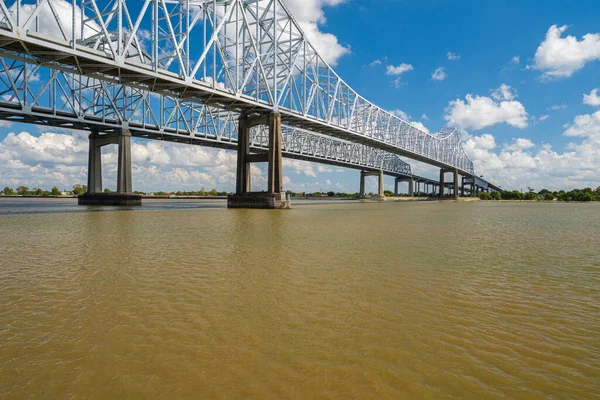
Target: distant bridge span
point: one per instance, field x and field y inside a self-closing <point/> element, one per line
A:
<point x="248" y="57"/>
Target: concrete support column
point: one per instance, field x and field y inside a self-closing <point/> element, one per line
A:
<point x="396" y="181"/>
<point x="94" y="183"/>
<point x="462" y="187"/>
<point x="362" y="184"/>
<point x="411" y="187"/>
<point x="124" y="184"/>
<point x="275" y="178"/>
<point x="381" y="182"/>
<point x="456" y="184"/>
<point x="243" y="184"/>
<point x="442" y="183"/>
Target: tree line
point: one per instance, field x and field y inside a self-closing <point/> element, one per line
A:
<point x="55" y="191"/>
<point x="587" y="194"/>
<point x="79" y="189"/>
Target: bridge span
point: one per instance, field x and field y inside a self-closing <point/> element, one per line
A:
<point x="210" y="68"/>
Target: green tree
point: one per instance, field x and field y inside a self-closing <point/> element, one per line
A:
<point x="388" y="193"/>
<point x="38" y="191"/>
<point x="549" y="197"/>
<point x="496" y="196"/>
<point x="78" y="189"/>
<point x="529" y="196"/>
<point x="22" y="190"/>
<point x="8" y="191"/>
<point x="485" y="196"/>
<point x="55" y="191"/>
<point x="213" y="192"/>
<point x="107" y="190"/>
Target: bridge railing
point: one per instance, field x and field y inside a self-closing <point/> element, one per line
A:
<point x="237" y="54"/>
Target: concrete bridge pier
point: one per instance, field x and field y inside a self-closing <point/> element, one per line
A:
<point x="442" y="183"/>
<point x="380" y="191"/>
<point x="124" y="195"/>
<point x="411" y="186"/>
<point x="453" y="190"/>
<point x="274" y="197"/>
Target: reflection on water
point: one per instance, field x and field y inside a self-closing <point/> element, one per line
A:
<point x="394" y="300"/>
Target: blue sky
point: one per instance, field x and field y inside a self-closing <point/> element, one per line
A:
<point x="510" y="74"/>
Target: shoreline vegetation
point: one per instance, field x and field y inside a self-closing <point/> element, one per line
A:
<point x="576" y="195"/>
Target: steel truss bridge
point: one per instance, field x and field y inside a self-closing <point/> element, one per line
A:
<point x="185" y="70"/>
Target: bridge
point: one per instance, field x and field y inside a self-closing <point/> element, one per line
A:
<point x="236" y="74"/>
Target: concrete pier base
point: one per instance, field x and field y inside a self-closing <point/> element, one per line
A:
<point x="261" y="200"/>
<point x="110" y="199"/>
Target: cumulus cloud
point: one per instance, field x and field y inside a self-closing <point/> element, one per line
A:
<point x="478" y="112"/>
<point x="520" y="163"/>
<point x="310" y="14"/>
<point x="417" y="124"/>
<point x="559" y="56"/>
<point x="587" y="125"/>
<point x="401" y="114"/>
<point x="515" y="60"/>
<point x="439" y="74"/>
<point x="61" y="159"/>
<point x="592" y="99"/>
<point x="399" y="70"/>
<point x="520" y="144"/>
<point x="452" y="56"/>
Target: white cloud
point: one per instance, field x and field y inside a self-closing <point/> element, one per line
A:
<point x="61" y="159"/>
<point x="399" y="70"/>
<point x="558" y="107"/>
<point x="585" y="126"/>
<point x="310" y="14"/>
<point x="516" y="166"/>
<point x="452" y="56"/>
<point x="592" y="99"/>
<point x="561" y="57"/>
<point x="404" y="116"/>
<point x="478" y="112"/>
<point x="520" y="144"/>
<point x="424" y="117"/>
<point x="419" y="125"/>
<point x="439" y="74"/>
<point x="401" y="114"/>
<point x="544" y="117"/>
<point x="375" y="63"/>
<point x="515" y="60"/>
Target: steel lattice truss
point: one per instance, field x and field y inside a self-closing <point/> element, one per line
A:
<point x="242" y="56"/>
<point x="41" y="95"/>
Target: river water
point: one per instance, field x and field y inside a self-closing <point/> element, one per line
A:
<point x="343" y="300"/>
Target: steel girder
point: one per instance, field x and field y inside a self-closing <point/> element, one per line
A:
<point x="239" y="55"/>
<point x="46" y="96"/>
